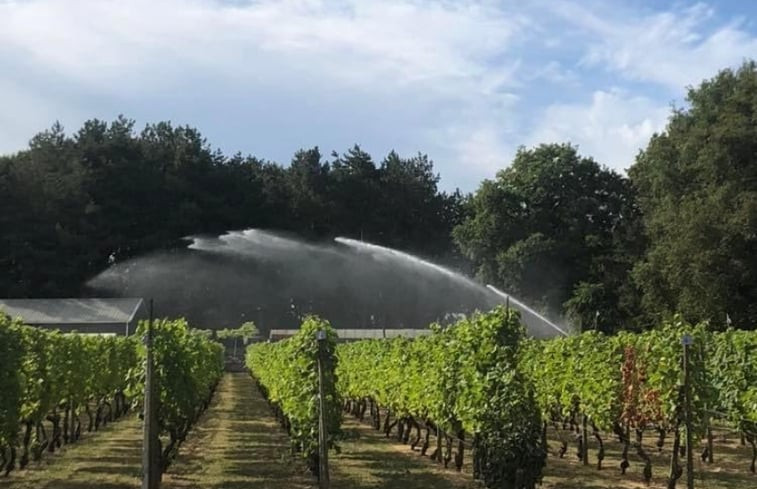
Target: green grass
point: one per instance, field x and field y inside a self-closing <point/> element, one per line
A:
<point x="238" y="445"/>
<point x="108" y="459"/>
<point x="730" y="469"/>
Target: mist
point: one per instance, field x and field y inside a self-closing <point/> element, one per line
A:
<point x="274" y="279"/>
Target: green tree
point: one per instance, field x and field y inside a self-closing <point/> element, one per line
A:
<point x="551" y="226"/>
<point x="245" y="332"/>
<point x="70" y="205"/>
<point x="697" y="185"/>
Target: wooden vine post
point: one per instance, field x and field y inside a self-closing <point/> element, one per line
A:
<point x="323" y="448"/>
<point x="687" y="341"/>
<point x="151" y="470"/>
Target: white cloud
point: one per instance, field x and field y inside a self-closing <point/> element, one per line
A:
<point x="460" y="79"/>
<point x="432" y="63"/>
<point x="672" y="48"/>
<point x="611" y="128"/>
<point x="482" y="149"/>
<point x="355" y="41"/>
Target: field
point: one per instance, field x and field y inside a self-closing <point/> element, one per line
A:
<point x="239" y="445"/>
<point x="473" y="405"/>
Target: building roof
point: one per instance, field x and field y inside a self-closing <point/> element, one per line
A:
<point x="72" y="311"/>
<point x="358" y="334"/>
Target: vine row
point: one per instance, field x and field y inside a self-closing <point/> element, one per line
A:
<point x="287" y="375"/>
<point x="461" y="383"/>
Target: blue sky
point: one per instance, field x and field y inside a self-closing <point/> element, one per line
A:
<point x="464" y="81"/>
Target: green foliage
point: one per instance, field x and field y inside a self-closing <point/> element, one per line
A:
<point x="42" y="371"/>
<point x="582" y="375"/>
<point x="287" y="370"/>
<point x="576" y="375"/>
<point x="11" y="386"/>
<point x="464" y="377"/>
<point x="188" y="366"/>
<point x="697" y="187"/>
<point x="732" y="365"/>
<point x="73" y="204"/>
<point x="550" y="222"/>
<point x="660" y="354"/>
<point x="246" y="332"/>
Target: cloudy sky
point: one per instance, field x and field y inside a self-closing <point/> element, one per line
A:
<point x="465" y="81"/>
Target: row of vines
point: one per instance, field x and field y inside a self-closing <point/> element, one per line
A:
<point x="286" y="374"/>
<point x="188" y="366"/>
<point x="461" y="384"/>
<point x="629" y="384"/>
<point x="481" y="385"/>
<point x="47" y="376"/>
<point x="50" y="381"/>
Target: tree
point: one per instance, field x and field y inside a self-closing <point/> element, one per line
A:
<point x="697" y="185"/>
<point x="245" y="332"/>
<point x="550" y="227"/>
<point x="72" y="205"/>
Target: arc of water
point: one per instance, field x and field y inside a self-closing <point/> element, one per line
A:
<point x="523" y="306"/>
<point x="462" y="279"/>
<point x="411" y="258"/>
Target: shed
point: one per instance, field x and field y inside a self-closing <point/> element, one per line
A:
<point x="99" y="316"/>
<point x="356" y="334"/>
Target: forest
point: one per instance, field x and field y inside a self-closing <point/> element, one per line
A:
<point x="677" y="233"/>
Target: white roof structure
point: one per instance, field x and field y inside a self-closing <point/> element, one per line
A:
<point x="356" y="334"/>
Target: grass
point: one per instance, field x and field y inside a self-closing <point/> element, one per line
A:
<point x="238" y="445"/>
<point x="730" y="469"/>
<point x="370" y="460"/>
<point x="107" y="459"/>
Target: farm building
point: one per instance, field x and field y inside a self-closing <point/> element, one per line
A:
<point x="356" y="334"/>
<point x="97" y="316"/>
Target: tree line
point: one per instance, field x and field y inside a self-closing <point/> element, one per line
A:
<point x="555" y="228"/>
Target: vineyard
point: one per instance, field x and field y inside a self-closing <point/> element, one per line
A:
<point x="592" y="384"/>
<point x="477" y="397"/>
<point x="488" y="395"/>
<point x="286" y="372"/>
<point x="51" y="381"/>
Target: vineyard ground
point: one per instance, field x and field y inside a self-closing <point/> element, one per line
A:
<point x="237" y="444"/>
<point x="730" y="469"/>
<point x="109" y="458"/>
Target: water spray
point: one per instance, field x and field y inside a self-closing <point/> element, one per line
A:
<point x="521" y="305"/>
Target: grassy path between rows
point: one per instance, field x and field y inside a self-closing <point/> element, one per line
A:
<point x="239" y="445"/>
<point x="369" y="460"/>
<point x="106" y="459"/>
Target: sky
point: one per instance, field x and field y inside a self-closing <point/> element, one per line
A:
<point x="466" y="82"/>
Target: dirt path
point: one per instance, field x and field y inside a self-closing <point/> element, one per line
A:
<point x="237" y="445"/>
<point x="107" y="459"/>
